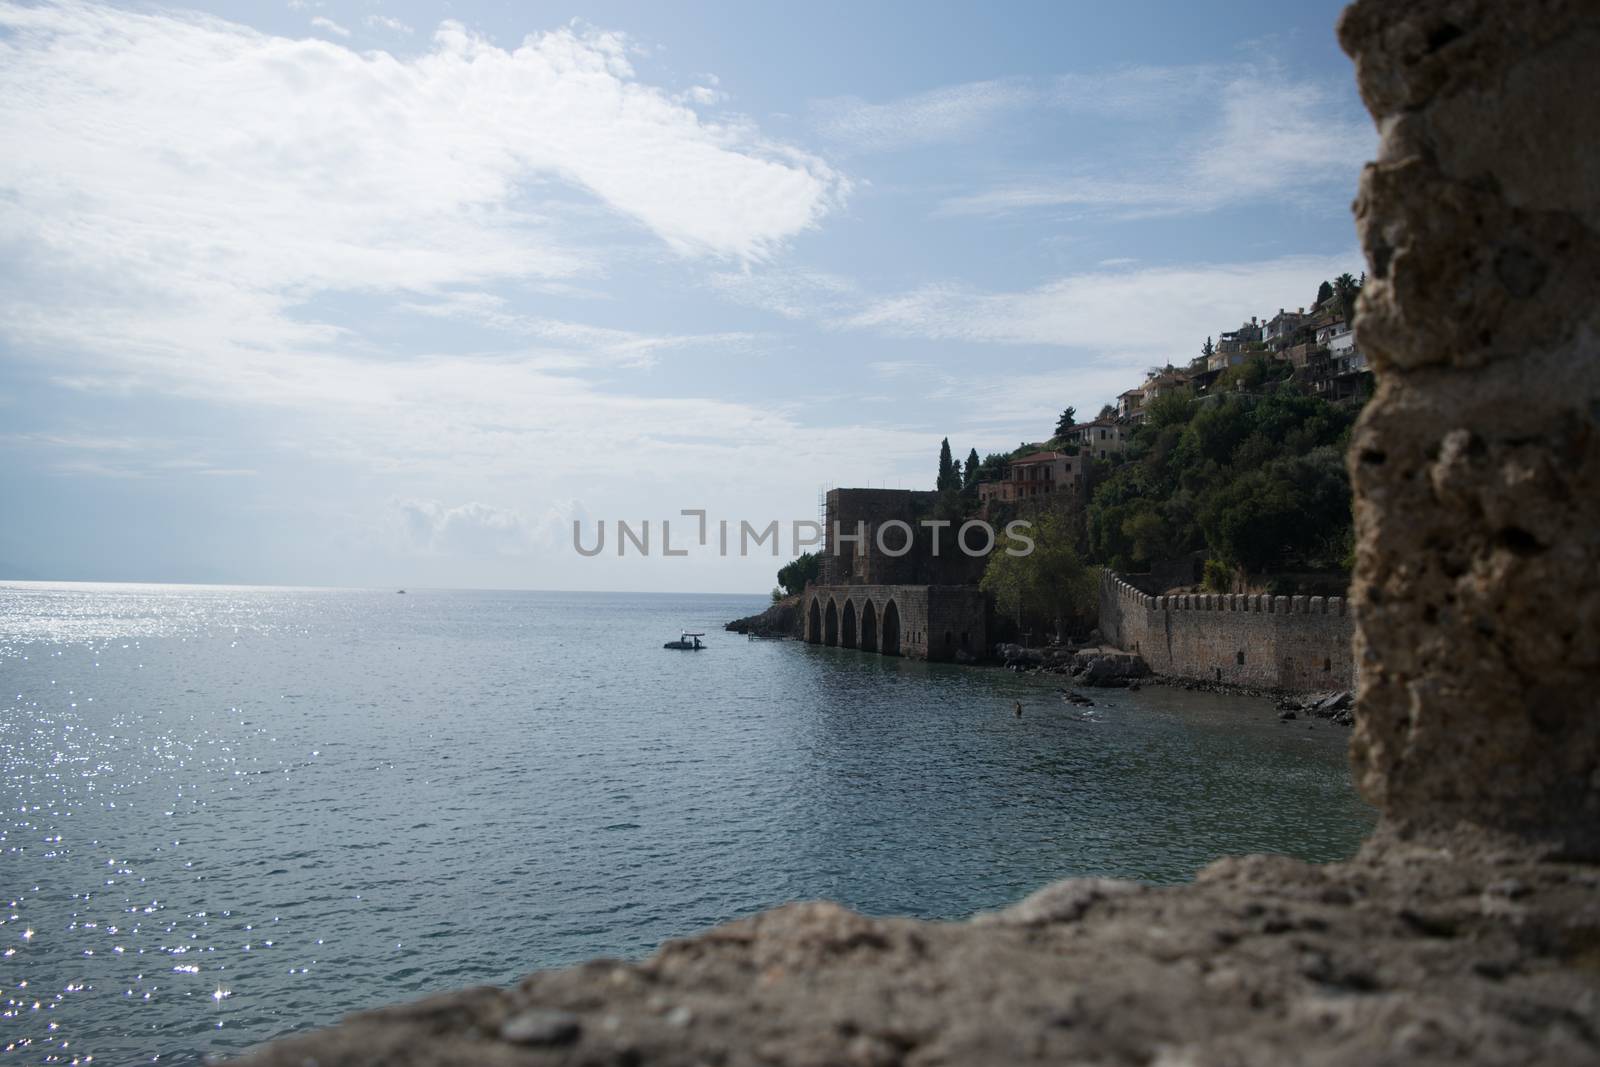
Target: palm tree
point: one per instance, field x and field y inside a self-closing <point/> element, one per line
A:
<point x="1346" y="288"/>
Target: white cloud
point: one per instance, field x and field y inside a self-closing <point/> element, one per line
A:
<point x="470" y="529"/>
<point x="794" y="294"/>
<point x="327" y="25"/>
<point x="1268" y="137"/>
<point x="938" y="116"/>
<point x="1140" y="316"/>
<point x="185" y="150"/>
<point x="577" y="344"/>
<point x="193" y="190"/>
<point x="384" y="22"/>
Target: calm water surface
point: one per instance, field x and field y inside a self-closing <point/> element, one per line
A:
<point x="232" y="813"/>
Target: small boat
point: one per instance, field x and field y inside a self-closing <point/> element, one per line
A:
<point x="400" y="591"/>
<point x="687" y="640"/>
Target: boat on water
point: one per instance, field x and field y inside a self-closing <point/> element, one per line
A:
<point x="687" y="640"/>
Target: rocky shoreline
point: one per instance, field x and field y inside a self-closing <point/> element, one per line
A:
<point x="782" y="619"/>
<point x="1092" y="666"/>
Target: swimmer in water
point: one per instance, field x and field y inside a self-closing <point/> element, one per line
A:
<point x="1019" y="709"/>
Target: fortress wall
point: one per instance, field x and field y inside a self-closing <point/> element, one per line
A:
<point x="1297" y="643"/>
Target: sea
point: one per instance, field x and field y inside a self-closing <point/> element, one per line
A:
<point x="233" y="813"/>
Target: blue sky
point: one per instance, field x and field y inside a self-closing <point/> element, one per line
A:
<point x="366" y="293"/>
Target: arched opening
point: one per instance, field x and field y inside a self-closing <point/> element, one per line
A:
<point x="891" y="629"/>
<point x="830" y="624"/>
<point x="814" y="622"/>
<point x="869" y="627"/>
<point x="847" y="630"/>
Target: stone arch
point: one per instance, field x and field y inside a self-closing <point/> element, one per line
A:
<point x="814" y="622"/>
<point x="830" y="624"/>
<point x="847" y="625"/>
<point x="891" y="629"/>
<point x="869" y="626"/>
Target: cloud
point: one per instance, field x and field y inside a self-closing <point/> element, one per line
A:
<point x="1244" y="140"/>
<point x="794" y="294"/>
<point x="327" y="25"/>
<point x="470" y="529"/>
<point x="197" y="198"/>
<point x="578" y="344"/>
<point x="183" y="149"/>
<point x="938" y="116"/>
<point x="384" y="22"/>
<point x="1151" y="315"/>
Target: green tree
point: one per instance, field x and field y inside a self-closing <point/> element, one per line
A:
<point x="1323" y="292"/>
<point x="793" y="576"/>
<point x="1068" y="419"/>
<point x="970" y="472"/>
<point x="948" y="472"/>
<point x="1050" y="583"/>
<point x="1346" y="288"/>
<point x="1170" y="408"/>
<point x="1207" y="350"/>
<point x="993" y="468"/>
<point x="1107" y="411"/>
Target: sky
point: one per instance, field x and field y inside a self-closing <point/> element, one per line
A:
<point x="390" y="294"/>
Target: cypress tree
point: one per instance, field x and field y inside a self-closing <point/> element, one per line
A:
<point x="946" y="466"/>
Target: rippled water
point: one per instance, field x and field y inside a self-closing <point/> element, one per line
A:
<point x="231" y="813"/>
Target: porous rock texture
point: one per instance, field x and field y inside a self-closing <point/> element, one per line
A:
<point x="1468" y="929"/>
<point x="1477" y="463"/>
<point x="1402" y="956"/>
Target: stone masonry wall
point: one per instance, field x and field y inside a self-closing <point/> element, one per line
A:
<point x="1295" y="643"/>
<point x="1476" y="464"/>
<point x="936" y="622"/>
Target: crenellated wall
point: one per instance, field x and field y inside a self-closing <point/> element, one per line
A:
<point x="1282" y="642"/>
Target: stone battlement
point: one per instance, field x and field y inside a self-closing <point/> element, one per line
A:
<point x="1257" y="602"/>
<point x="1271" y="642"/>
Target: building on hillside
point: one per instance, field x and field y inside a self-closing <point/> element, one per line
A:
<point x="1337" y="337"/>
<point x="852" y="519"/>
<point x="1234" y="342"/>
<point x="1099" y="439"/>
<point x="1163" y="382"/>
<point x="1041" y="474"/>
<point x="1338" y="375"/>
<point x="898" y="594"/>
<point x="1300" y="355"/>
<point x="1130" y="405"/>
<point x="1279" y="330"/>
<point x="1221" y="361"/>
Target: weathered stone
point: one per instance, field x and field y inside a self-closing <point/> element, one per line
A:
<point x="1263" y="961"/>
<point x="1294" y="647"/>
<point x="1477" y="464"/>
<point x="537" y="1026"/>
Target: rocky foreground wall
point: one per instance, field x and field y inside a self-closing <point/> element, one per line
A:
<point x="1469" y="928"/>
<point x="1297" y="643"/>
